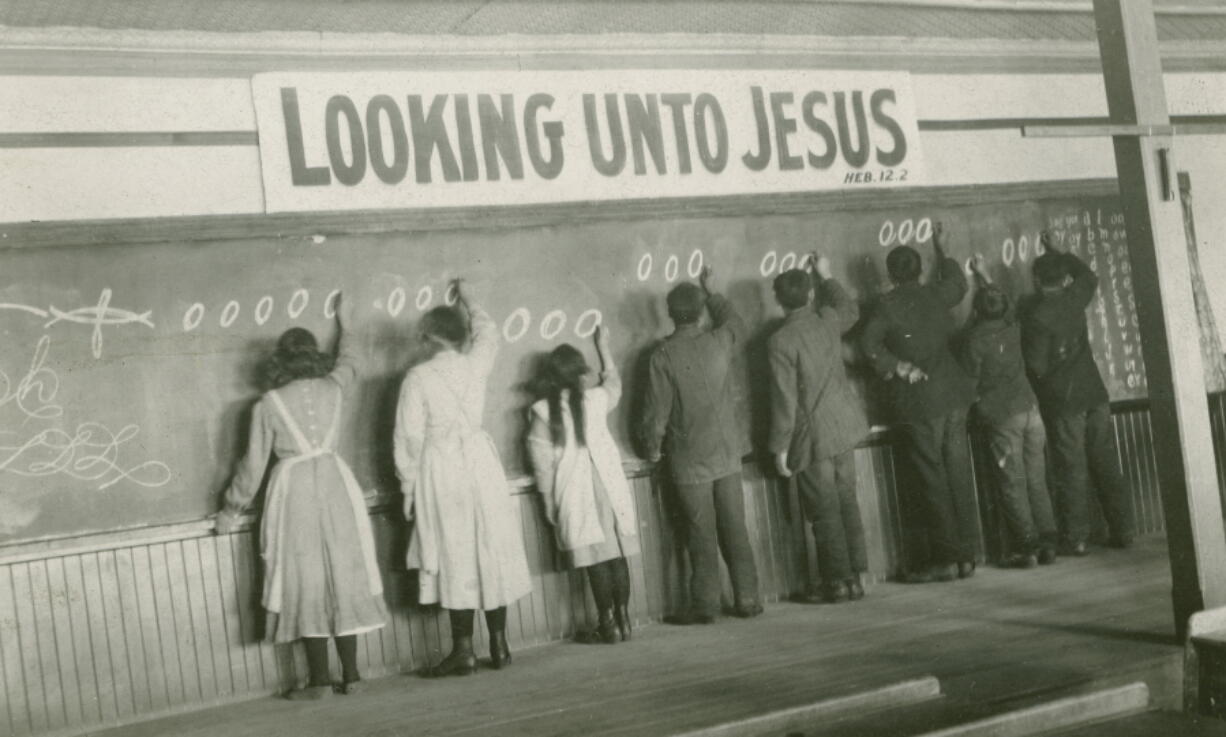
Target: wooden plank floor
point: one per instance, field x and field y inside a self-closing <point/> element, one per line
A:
<point x="1002" y="635"/>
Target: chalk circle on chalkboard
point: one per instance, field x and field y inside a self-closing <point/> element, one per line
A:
<point x="769" y="262"/>
<point x="452" y="295"/>
<point x="552" y="324"/>
<point x="298" y="303"/>
<point x="330" y="303"/>
<point x="645" y="263"/>
<point x="425" y="296"/>
<point x="587" y="323"/>
<point x="263" y="309"/>
<point x="395" y="302"/>
<point x="192" y="317"/>
<point x="697" y="259"/>
<point x="229" y="314"/>
<point x="520" y="315"/>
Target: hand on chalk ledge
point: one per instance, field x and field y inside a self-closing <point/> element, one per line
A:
<point x="225" y="524"/>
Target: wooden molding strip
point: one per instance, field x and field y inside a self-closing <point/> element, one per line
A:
<point x="131" y="139"/>
<point x="309" y="226"/>
<point x="95" y="51"/>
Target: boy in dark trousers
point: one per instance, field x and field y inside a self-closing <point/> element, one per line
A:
<point x="1009" y="415"/>
<point x="689" y="411"/>
<point x="1073" y="399"/>
<point x="816" y="423"/>
<point x="907" y="340"/>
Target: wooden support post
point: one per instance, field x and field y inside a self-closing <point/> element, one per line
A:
<point x="1187" y="474"/>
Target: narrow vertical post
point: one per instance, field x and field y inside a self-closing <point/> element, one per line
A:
<point x="1187" y="473"/>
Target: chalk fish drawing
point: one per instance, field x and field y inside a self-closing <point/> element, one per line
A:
<point x="95" y="315"/>
<point x="90" y="452"/>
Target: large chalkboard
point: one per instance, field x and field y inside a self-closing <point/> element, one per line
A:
<point x="129" y="370"/>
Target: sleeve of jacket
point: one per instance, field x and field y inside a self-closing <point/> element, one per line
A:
<point x="246" y="481"/>
<point x="408" y="437"/>
<point x="348" y="362"/>
<point x="1085" y="282"/>
<point x="657" y="405"/>
<point x="783" y="396"/>
<point x="730" y="328"/>
<point x="1036" y="350"/>
<point x="951" y="284"/>
<point x="837" y="306"/>
<point x="872" y="344"/>
<point x="971" y="356"/>
<point x="485" y="340"/>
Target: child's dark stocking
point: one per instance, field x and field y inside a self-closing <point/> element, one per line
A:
<point x="621" y="595"/>
<point x="500" y="651"/>
<point x="600" y="579"/>
<point x="317" y="660"/>
<point x="347" y="650"/>
<point x="461" y="661"/>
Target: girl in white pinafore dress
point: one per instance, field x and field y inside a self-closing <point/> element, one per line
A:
<point x="466" y="544"/>
<point x="579" y="475"/>
<point x="321" y="579"/>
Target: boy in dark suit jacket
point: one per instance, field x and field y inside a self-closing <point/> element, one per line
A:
<point x="816" y="423"/>
<point x="1073" y="399"/>
<point x="908" y="342"/>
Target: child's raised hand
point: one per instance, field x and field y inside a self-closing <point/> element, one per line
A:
<point x="602" y="339"/>
<point x="344" y="311"/>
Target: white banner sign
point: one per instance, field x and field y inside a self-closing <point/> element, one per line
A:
<point x="455" y="139"/>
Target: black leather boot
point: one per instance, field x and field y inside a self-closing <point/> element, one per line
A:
<point x="460" y="662"/>
<point x="500" y="651"/>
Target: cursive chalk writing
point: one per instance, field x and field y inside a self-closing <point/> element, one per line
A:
<point x="90" y="453"/>
<point x="99" y="315"/>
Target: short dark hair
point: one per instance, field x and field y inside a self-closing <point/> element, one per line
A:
<point x="991" y="303"/>
<point x="297" y="356"/>
<point x="1050" y="270"/>
<point x="903" y="264"/>
<point x="792" y="289"/>
<point x="446" y="323"/>
<point x="685" y="303"/>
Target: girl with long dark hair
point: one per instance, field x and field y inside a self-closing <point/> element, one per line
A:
<point x="579" y="475"/>
<point x="320" y="579"/>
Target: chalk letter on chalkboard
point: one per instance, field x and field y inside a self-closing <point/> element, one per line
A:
<point x="430" y="133"/>
<point x="784" y="127"/>
<point x="300" y="174"/>
<point x="349" y="173"/>
<point x="821" y="128"/>
<point x="613" y="165"/>
<point x="894" y="156"/>
<point x="858" y="156"/>
<point x="706" y="106"/>
<point x="393" y="172"/>
<point x="758" y="161"/>
<point x="499" y="137"/>
<point x="643" y="122"/>
<point x="676" y="102"/>
<point x="551" y="167"/>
